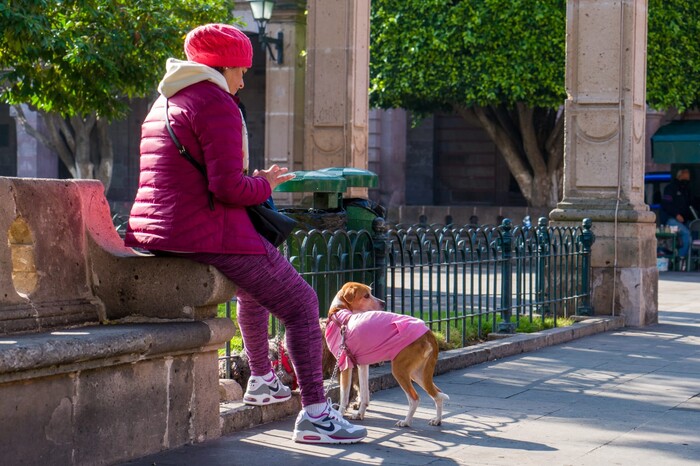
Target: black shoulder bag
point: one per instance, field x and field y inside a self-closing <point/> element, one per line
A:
<point x="271" y="224"/>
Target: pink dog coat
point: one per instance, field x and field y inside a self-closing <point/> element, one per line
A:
<point x="372" y="336"/>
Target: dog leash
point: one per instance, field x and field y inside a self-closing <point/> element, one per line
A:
<point x="283" y="362"/>
<point x="343" y="347"/>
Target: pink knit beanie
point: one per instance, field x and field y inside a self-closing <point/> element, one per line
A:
<point x="219" y="45"/>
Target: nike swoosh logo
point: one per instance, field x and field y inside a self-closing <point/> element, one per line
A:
<point x="275" y="388"/>
<point x="329" y="428"/>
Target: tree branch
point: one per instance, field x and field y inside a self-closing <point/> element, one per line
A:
<point x="530" y="144"/>
<point x="52" y="141"/>
<point x="506" y="145"/>
<point x="54" y="124"/>
<point x="555" y="144"/>
<point x="103" y="171"/>
<point x="33" y="132"/>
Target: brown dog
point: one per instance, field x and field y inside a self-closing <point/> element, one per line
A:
<point x="414" y="358"/>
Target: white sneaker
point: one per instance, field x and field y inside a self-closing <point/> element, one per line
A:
<point x="329" y="427"/>
<point x="261" y="393"/>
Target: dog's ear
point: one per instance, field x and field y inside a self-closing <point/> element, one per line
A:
<point x="348" y="295"/>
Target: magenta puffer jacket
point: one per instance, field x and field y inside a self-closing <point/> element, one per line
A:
<point x="171" y="210"/>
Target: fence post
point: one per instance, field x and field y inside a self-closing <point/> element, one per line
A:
<point x="227" y="348"/>
<point x="506" y="326"/>
<point x="587" y="240"/>
<point x="543" y="251"/>
<point x="379" y="230"/>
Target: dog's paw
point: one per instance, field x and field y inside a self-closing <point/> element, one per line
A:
<point x="358" y="417"/>
<point x="403" y="423"/>
<point x="435" y="422"/>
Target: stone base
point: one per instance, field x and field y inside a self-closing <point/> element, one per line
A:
<point x="636" y="292"/>
<point x="624" y="277"/>
<point x="105" y="394"/>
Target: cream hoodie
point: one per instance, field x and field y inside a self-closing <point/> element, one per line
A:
<point x="179" y="74"/>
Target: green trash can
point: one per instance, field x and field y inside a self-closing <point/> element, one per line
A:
<point x="360" y="212"/>
<point x="326" y="212"/>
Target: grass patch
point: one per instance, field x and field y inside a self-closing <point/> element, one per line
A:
<point x="475" y="334"/>
<point x="236" y="341"/>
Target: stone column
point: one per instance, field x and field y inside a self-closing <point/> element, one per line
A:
<point x="284" y="95"/>
<point x="337" y="82"/>
<point x="604" y="153"/>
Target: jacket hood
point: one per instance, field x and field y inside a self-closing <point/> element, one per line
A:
<point x="179" y="74"/>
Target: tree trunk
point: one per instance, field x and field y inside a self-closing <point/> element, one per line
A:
<point x="105" y="161"/>
<point x="70" y="139"/>
<point x="531" y="143"/>
<point x="80" y="130"/>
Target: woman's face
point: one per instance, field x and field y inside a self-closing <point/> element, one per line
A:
<point x="234" y="78"/>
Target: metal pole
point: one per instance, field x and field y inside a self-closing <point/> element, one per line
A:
<point x="379" y="241"/>
<point x="587" y="239"/>
<point x="543" y="251"/>
<point x="506" y="326"/>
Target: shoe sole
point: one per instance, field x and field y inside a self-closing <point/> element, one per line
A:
<point x="316" y="438"/>
<point x="264" y="400"/>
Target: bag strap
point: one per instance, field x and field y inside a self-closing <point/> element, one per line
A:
<point x="186" y="154"/>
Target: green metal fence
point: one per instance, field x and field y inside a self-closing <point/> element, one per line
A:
<point x="457" y="279"/>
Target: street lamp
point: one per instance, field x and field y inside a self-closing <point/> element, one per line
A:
<point x="262" y="12"/>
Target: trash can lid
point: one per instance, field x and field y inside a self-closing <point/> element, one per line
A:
<point x="314" y="182"/>
<point x="356" y="177"/>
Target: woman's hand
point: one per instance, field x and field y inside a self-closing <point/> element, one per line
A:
<point x="274" y="175"/>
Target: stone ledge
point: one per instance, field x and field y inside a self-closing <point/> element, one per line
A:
<point x="24" y="357"/>
<point x="238" y="416"/>
<point x="65" y="266"/>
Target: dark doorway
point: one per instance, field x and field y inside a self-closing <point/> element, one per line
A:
<point x="8" y="143"/>
<point x="468" y="167"/>
<point x="253" y="98"/>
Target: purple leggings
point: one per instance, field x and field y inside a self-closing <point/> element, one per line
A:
<point x="269" y="284"/>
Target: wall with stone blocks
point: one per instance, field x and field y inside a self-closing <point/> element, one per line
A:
<point x="106" y="354"/>
<point x="101" y="394"/>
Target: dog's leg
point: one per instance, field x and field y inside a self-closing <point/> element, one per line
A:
<point x="345" y="387"/>
<point x="423" y="375"/>
<point x="404" y="380"/>
<point x="437" y="420"/>
<point x="363" y="374"/>
<point x="425" y="380"/>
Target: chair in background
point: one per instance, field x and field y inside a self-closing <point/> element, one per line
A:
<point x="694" y="250"/>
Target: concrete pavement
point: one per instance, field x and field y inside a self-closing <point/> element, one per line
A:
<point x="628" y="396"/>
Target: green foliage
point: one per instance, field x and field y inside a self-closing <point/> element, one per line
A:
<point x="673" y="63"/>
<point x="434" y="54"/>
<point x="236" y="341"/>
<point x="429" y="55"/>
<point x="77" y="57"/>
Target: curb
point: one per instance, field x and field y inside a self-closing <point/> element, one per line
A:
<point x="237" y="416"/>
